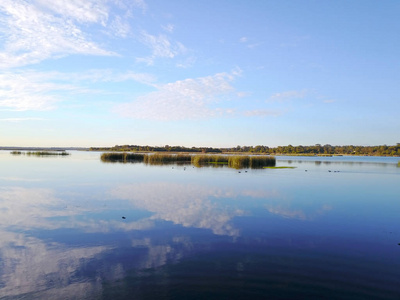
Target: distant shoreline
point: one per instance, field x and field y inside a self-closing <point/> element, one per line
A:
<point x="316" y="150"/>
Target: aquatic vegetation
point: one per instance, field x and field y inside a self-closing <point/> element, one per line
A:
<point x="239" y="161"/>
<point x="122" y="157"/>
<point x="262" y="161"/>
<point x="214" y="159"/>
<point x="47" y="153"/>
<point x="163" y="158"/>
<point x="244" y="161"/>
<point x="233" y="161"/>
<point x="134" y="157"/>
<point x="16" y="152"/>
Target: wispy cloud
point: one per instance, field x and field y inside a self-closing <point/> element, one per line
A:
<point x="108" y="75"/>
<point x="40" y="91"/>
<point x="30" y="91"/>
<point x="261" y="113"/>
<point x="185" y="99"/>
<point x="33" y="32"/>
<point x="89" y="11"/>
<point x="288" y="95"/>
<point x="169" y="28"/>
<point x="16" y="120"/>
<point x="161" y="47"/>
<point x="245" y="40"/>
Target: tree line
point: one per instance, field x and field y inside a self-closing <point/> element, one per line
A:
<point x="382" y="150"/>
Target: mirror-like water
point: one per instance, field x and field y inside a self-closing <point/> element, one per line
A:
<point x="75" y="228"/>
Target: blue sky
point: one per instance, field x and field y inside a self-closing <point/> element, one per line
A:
<point x="199" y="73"/>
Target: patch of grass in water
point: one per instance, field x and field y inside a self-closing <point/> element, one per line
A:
<point x="47" y="153"/>
<point x="203" y="160"/>
<point x="121" y="157"/>
<point x="234" y="161"/>
<point x="16" y="152"/>
<point x="161" y="158"/>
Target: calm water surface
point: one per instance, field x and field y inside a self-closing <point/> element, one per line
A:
<point x="76" y="228"/>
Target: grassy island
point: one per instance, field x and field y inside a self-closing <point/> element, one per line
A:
<point x="41" y="153"/>
<point x="198" y="160"/>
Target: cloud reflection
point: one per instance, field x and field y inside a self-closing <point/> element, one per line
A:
<point x="188" y="205"/>
<point x="47" y="269"/>
<point x="30" y="265"/>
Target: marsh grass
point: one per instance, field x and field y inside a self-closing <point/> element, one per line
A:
<point x="16" y="152"/>
<point x="163" y="158"/>
<point x="254" y="162"/>
<point x="47" y="153"/>
<point x="239" y="161"/>
<point x="262" y="161"/>
<point x="216" y="160"/>
<point x="122" y="157"/>
<point x="210" y="159"/>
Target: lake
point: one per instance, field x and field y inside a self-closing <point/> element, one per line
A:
<point x="74" y="227"/>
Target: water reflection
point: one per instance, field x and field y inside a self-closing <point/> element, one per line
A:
<point x="188" y="205"/>
<point x="29" y="207"/>
<point x="30" y="265"/>
<point x="300" y="214"/>
<point x="191" y="231"/>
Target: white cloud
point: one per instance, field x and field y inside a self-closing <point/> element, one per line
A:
<point x="15" y="120"/>
<point x="31" y="33"/>
<point x="185" y="99"/>
<point x="243" y="39"/>
<point x="261" y="113"/>
<point x="161" y="47"/>
<point x="288" y="95"/>
<point x="88" y="11"/>
<point x="120" y="27"/>
<point x="30" y="90"/>
<point x="108" y="75"/>
<point x="169" y="28"/>
<point x="36" y="30"/>
<point x="187" y="62"/>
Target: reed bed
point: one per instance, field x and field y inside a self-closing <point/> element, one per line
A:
<point x="122" y="157"/>
<point x="233" y="161"/>
<point x="47" y="153"/>
<point x="239" y="161"/>
<point x="162" y="158"/>
<point x="201" y="160"/>
<point x="254" y="162"/>
<point x="134" y="157"/>
<point x="262" y="161"/>
<point x="16" y="152"/>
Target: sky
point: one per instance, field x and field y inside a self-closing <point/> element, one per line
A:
<point x="199" y="73"/>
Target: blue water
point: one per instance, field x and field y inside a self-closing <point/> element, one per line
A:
<point x="76" y="228"/>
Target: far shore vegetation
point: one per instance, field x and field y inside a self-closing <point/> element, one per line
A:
<point x="198" y="160"/>
<point x="316" y="150"/>
<point x="40" y="153"/>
